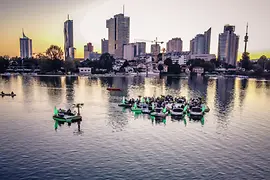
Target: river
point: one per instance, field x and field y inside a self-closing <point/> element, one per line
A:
<point x="233" y="142"/>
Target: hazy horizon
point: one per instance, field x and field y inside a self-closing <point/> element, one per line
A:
<point x="43" y="22"/>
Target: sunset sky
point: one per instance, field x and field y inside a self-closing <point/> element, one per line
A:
<point x="43" y="21"/>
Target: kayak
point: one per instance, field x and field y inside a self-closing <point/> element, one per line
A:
<point x="12" y="95"/>
<point x="125" y="105"/>
<point x="113" y="89"/>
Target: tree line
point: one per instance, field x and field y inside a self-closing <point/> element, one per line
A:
<point x="52" y="62"/>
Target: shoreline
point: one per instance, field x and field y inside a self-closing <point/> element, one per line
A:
<point x="132" y="75"/>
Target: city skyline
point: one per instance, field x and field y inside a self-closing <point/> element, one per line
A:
<point x="90" y="17"/>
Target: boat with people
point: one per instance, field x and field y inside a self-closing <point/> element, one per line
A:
<point x="179" y="110"/>
<point x="12" y="94"/>
<point x="63" y="115"/>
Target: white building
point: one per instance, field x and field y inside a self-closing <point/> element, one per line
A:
<point x="85" y="70"/>
<point x="228" y="45"/>
<point x="129" y="51"/>
<point x="25" y="47"/>
<point x="206" y="57"/>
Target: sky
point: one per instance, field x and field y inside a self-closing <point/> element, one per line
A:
<point x="43" y="22"/>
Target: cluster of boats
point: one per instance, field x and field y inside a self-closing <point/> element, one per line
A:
<point x="163" y="106"/>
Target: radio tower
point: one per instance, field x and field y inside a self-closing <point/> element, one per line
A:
<point x="246" y="38"/>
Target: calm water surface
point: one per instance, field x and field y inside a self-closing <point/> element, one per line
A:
<point x="110" y="143"/>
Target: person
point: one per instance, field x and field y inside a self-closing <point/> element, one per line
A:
<point x="68" y="111"/>
<point x="12" y="92"/>
<point x="2" y="92"/>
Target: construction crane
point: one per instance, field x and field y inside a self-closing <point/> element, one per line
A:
<point x="156" y="42"/>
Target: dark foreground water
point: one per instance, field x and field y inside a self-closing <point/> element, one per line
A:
<point x="232" y="143"/>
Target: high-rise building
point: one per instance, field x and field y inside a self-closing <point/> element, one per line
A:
<point x="129" y="51"/>
<point x="118" y="33"/>
<point x="228" y="45"/>
<point x="25" y="47"/>
<point x="88" y="49"/>
<point x="68" y="37"/>
<point x="104" y="46"/>
<point x="201" y="43"/>
<point x="174" y="45"/>
<point x="140" y="48"/>
<point x="155" y="48"/>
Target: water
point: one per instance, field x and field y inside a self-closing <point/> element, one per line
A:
<point x="110" y="143"/>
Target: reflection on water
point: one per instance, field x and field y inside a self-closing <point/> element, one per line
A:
<point x="114" y="143"/>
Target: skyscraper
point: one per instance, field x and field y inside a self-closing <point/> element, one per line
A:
<point x="104" y="46"/>
<point x="118" y="33"/>
<point x="25" y="47"/>
<point x="228" y="45"/>
<point x="174" y="45"/>
<point x="201" y="43"/>
<point x="68" y="37"/>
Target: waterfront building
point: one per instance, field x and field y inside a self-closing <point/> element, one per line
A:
<point x="25" y="47"/>
<point x="130" y="51"/>
<point x="118" y="33"/>
<point x="206" y="57"/>
<point x="88" y="48"/>
<point x="201" y="43"/>
<point x="174" y="45"/>
<point x="104" y="46"/>
<point x="140" y="48"/>
<point x="228" y="44"/>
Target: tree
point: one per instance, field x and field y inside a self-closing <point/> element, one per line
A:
<point x="267" y="65"/>
<point x="245" y="61"/>
<point x="262" y="61"/>
<point x="106" y="61"/>
<point x="208" y="66"/>
<point x="257" y="69"/>
<point x="69" y="66"/>
<point x="168" y="62"/>
<point x="4" y="63"/>
<point x="54" y="52"/>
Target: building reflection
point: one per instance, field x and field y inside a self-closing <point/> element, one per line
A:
<point x="197" y="86"/>
<point x="173" y="82"/>
<point x="243" y="90"/>
<point x="225" y="92"/>
<point x="70" y="92"/>
<point x="54" y="87"/>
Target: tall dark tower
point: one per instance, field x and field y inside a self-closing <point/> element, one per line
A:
<point x="246" y="38"/>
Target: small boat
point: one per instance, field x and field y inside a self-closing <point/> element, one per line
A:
<point x="145" y="109"/>
<point x="136" y="108"/>
<point x="67" y="116"/>
<point x="113" y="89"/>
<point x="124" y="104"/>
<point x="159" y="113"/>
<point x="178" y="111"/>
<point x="4" y="94"/>
<point x="196" y="112"/>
